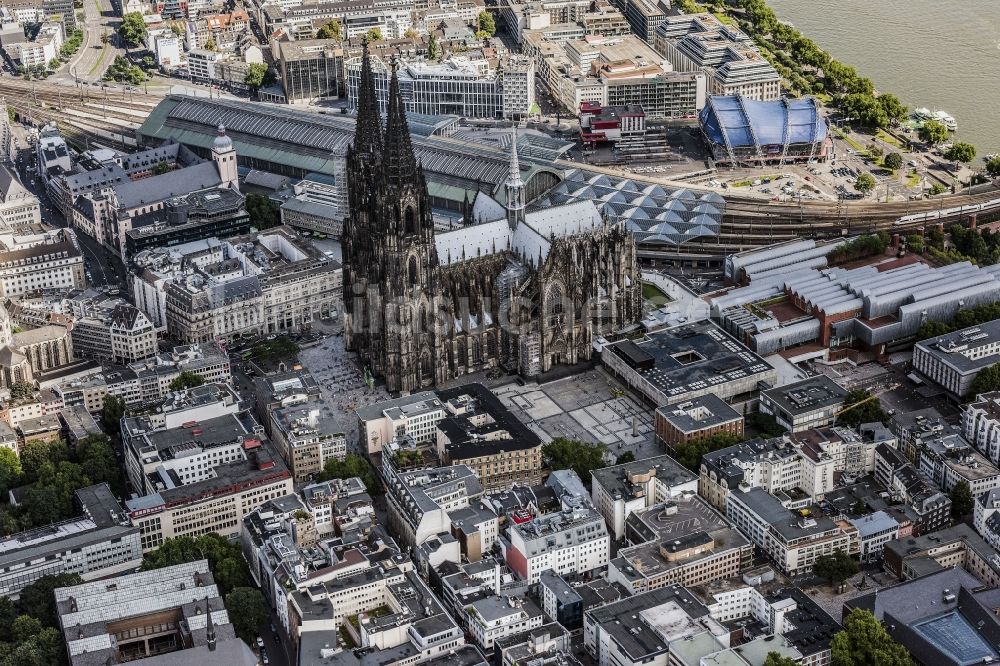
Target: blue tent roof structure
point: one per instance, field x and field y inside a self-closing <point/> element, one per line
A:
<point x="739" y="122"/>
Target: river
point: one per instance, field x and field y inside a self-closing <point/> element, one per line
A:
<point x="939" y="54"/>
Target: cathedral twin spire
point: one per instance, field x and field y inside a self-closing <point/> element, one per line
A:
<point x="393" y="150"/>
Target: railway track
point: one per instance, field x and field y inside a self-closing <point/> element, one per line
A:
<point x="88" y="115"/>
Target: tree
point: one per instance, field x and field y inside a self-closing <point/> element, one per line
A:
<point x="865" y="183"/>
<point x="765" y="425"/>
<point x="411" y="34"/>
<point x="868" y="409"/>
<point x="351" y="466"/>
<point x="960" y="152"/>
<point x="35" y="454"/>
<point x="777" y="659"/>
<point x="865" y="109"/>
<point x="690" y="453"/>
<point x="865" y="641"/>
<point x="329" y="30"/>
<point x="55" y="64"/>
<point x="374" y="34"/>
<point x="893" y="161"/>
<point x="915" y="243"/>
<point x="835" y="567"/>
<point x="581" y="457"/>
<point x="132" y="29"/>
<point x="161" y="168"/>
<point x="10" y="472"/>
<point x="97" y="461"/>
<point x="8" y="614"/>
<point x="933" y="132"/>
<point x="961" y="500"/>
<point x="247" y="611"/>
<point x="22" y="389"/>
<point x="626" y="457"/>
<point x="486" y="24"/>
<point x="987" y="379"/>
<point x="112" y="413"/>
<point x="225" y="558"/>
<point x="433" y="50"/>
<point x="210" y="45"/>
<point x="993" y="167"/>
<point x="256" y="75"/>
<point x="39" y="601"/>
<point x="894" y="109"/>
<point x="186" y="380"/>
<point x="264" y="214"/>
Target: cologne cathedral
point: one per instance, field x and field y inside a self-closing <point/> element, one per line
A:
<point x="526" y="292"/>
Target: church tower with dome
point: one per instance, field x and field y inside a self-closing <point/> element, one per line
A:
<point x="224" y="156"/>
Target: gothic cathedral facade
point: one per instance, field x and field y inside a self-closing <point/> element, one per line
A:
<point x="525" y="293"/>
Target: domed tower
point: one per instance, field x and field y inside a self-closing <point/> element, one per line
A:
<point x="224" y="156"/>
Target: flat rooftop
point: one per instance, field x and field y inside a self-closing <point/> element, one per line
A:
<point x="807" y="395"/>
<point x="698" y="356"/>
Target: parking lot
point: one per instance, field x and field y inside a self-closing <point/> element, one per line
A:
<point x="591" y="407"/>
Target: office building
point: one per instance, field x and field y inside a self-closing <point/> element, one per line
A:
<point x="419" y="500"/>
<point x="952" y="361"/>
<point x="205" y="476"/>
<point x="620" y="490"/>
<point x="19" y="208"/>
<point x="957" y="546"/>
<point x="650" y="628"/>
<point x="678" y="364"/>
<point x="33" y="263"/>
<point x="171" y="616"/>
<point x="114" y="333"/>
<point x="810" y="403"/>
<point x="684" y="541"/>
<point x="98" y="543"/>
<point x="315" y="205"/>
<point x="793" y="540"/>
<point x="727" y="55"/>
<point x="949" y="459"/>
<point x="310" y="69"/>
<point x="704" y="416"/>
<point x="457" y="86"/>
<point x="306" y="437"/>
<point x="981" y="425"/>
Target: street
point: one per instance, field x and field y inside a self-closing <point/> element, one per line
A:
<point x="94" y="56"/>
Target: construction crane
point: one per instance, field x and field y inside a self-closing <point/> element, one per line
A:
<point x="873" y="396"/>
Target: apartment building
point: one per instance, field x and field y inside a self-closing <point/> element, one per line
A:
<point x="338" y="505"/>
<point x="793" y="540"/>
<point x="620" y="490"/>
<point x="770" y="464"/>
<point x="931" y="508"/>
<point x="419" y="500"/>
<point x="98" y="543"/>
<point x="949" y="459"/>
<point x="727" y="55"/>
<point x="981" y="425"/>
<point x="874" y="531"/>
<point x="33" y="263"/>
<point x="495" y="618"/>
<point x="572" y="542"/>
<point x="985" y="518"/>
<point x="307" y="438"/>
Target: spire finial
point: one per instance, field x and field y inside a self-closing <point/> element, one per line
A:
<point x="210" y="629"/>
<point x="514" y="186"/>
